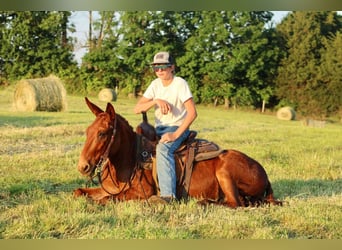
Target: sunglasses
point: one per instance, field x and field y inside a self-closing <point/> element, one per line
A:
<point x="160" y="67"/>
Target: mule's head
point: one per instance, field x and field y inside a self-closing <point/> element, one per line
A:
<point x="99" y="135"/>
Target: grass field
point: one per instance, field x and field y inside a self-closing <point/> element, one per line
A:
<point x="39" y="153"/>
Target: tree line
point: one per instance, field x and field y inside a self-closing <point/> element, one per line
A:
<point x="231" y="58"/>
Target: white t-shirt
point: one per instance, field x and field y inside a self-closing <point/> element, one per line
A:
<point x="175" y="94"/>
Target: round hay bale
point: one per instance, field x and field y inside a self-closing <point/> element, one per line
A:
<point x="40" y="94"/>
<point x="286" y="113"/>
<point x="107" y="95"/>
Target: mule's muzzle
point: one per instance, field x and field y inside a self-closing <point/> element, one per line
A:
<point x="85" y="168"/>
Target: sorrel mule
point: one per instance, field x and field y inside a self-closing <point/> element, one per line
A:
<point x="111" y="150"/>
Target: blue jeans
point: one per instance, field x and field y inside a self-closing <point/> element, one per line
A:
<point x="166" y="169"/>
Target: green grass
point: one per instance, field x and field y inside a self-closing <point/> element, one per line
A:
<point x="39" y="153"/>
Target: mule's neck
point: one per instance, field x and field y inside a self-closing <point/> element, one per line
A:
<point x="123" y="152"/>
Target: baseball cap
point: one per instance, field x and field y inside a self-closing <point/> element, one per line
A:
<point x="162" y="57"/>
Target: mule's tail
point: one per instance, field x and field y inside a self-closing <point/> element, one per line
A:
<point x="269" y="197"/>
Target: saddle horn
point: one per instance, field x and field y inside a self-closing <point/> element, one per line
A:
<point x="146" y="129"/>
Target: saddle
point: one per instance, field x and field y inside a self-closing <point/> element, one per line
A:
<point x="191" y="150"/>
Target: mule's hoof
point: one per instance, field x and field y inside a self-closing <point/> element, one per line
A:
<point x="278" y="203"/>
<point x="78" y="193"/>
<point x="206" y="202"/>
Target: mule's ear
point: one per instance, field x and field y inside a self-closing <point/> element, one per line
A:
<point x="110" y="110"/>
<point x="95" y="109"/>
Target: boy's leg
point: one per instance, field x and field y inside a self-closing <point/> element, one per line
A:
<point x="166" y="169"/>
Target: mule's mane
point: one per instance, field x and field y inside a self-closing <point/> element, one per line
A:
<point x="120" y="118"/>
<point x="124" y="121"/>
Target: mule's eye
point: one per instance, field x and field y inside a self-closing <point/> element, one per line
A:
<point x="102" y="134"/>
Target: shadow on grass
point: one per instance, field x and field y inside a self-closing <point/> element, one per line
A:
<point x="25" y="121"/>
<point x="306" y="188"/>
<point x="27" y="193"/>
<point x="44" y="119"/>
<point x="22" y="193"/>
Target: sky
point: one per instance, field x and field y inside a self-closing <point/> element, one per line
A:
<point x="80" y="20"/>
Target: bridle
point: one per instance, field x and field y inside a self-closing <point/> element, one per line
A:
<point x="103" y="159"/>
<point x="98" y="170"/>
<point x="99" y="167"/>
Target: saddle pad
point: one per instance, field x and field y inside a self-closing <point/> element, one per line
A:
<point x="206" y="150"/>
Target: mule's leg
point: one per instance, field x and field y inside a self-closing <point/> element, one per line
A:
<point x="96" y="194"/>
<point x="229" y="189"/>
<point x="244" y="201"/>
<point x="270" y="197"/>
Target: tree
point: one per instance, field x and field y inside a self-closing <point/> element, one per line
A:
<point x="34" y="43"/>
<point x="231" y="56"/>
<point x="330" y="76"/>
<point x="124" y="53"/>
<point x="299" y="82"/>
<point x="143" y="34"/>
<point x="254" y="57"/>
<point x="101" y="66"/>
